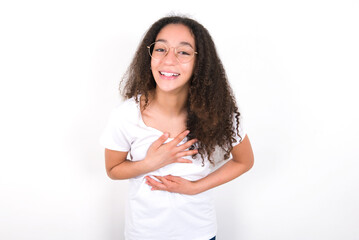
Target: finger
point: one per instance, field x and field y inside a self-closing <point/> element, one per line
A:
<point x="162" y="179"/>
<point x="183" y="160"/>
<point x="186" y="153"/>
<point x="187" y="145"/>
<point x="179" y="137"/>
<point x="161" y="140"/>
<point x="157" y="187"/>
<point x="171" y="178"/>
<point x="154" y="183"/>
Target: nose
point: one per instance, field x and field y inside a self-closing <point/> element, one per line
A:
<point x="170" y="57"/>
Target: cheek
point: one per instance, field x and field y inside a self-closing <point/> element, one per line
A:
<point x="153" y="67"/>
<point x="154" y="63"/>
<point x="190" y="69"/>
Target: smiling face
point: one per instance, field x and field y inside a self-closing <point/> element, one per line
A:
<point x="170" y="75"/>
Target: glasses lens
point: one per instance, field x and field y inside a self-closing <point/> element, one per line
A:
<point x="184" y="53"/>
<point x="157" y="50"/>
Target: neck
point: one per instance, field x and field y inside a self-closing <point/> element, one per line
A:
<point x="172" y="104"/>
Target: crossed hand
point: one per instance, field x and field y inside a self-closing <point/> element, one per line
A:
<point x="161" y="154"/>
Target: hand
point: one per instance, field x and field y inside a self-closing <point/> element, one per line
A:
<point x="161" y="154"/>
<point x="171" y="183"/>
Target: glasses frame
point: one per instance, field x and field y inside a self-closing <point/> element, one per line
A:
<point x="169" y="48"/>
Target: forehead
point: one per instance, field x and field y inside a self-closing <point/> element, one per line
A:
<point x="176" y="34"/>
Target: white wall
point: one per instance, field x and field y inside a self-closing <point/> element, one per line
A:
<point x="293" y="66"/>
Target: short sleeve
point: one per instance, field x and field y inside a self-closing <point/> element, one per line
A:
<point x="114" y="136"/>
<point x="241" y="132"/>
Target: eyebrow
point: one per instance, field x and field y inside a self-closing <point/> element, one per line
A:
<point x="181" y="43"/>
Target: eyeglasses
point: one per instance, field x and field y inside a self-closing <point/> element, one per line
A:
<point x="184" y="53"/>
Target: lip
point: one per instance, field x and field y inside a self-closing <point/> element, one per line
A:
<point x="169" y="75"/>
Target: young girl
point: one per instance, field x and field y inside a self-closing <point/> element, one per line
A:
<point x="179" y="107"/>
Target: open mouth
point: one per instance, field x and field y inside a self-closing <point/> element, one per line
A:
<point x="168" y="74"/>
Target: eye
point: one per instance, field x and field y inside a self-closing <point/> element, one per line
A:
<point x="184" y="53"/>
<point x="159" y="49"/>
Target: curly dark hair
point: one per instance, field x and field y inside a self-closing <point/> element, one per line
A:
<point x="211" y="105"/>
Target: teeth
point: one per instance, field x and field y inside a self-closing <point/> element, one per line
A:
<point x="169" y="74"/>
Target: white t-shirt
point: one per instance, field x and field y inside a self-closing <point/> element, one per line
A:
<point x="159" y="215"/>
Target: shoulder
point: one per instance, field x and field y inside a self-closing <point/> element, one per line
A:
<point x="127" y="110"/>
<point x="129" y="106"/>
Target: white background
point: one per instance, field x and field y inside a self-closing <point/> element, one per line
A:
<point x="293" y="66"/>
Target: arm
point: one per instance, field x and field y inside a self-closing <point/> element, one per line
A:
<point x="241" y="162"/>
<point x="118" y="167"/>
<point x="158" y="155"/>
